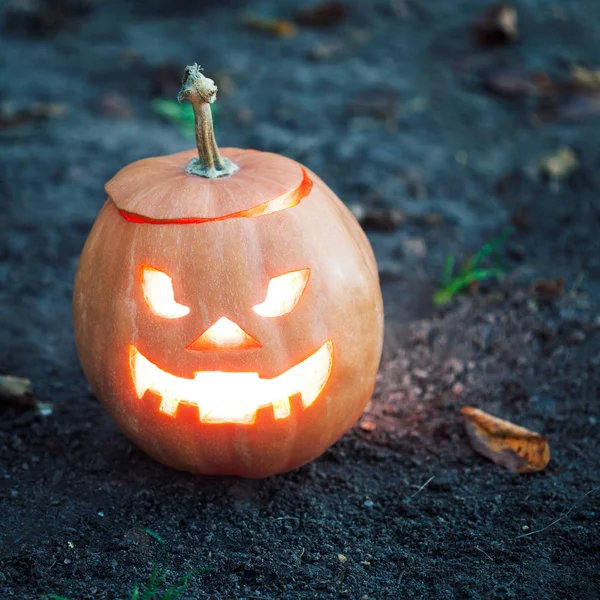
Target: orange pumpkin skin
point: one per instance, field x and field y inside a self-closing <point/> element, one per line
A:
<point x="220" y="264"/>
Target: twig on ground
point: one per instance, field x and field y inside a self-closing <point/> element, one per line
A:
<point x="484" y="553"/>
<point x="563" y="516"/>
<point x="422" y="488"/>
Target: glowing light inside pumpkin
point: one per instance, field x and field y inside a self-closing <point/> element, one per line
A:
<point x="159" y="295"/>
<point x="224" y="335"/>
<point x="223" y="397"/>
<point x="283" y="293"/>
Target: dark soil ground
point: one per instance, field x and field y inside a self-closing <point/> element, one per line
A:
<point x="391" y="113"/>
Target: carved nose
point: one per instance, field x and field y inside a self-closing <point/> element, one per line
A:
<point x="223" y="335"/>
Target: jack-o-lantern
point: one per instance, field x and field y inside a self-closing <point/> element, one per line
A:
<point x="227" y="307"/>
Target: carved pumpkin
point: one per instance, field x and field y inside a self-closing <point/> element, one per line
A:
<point x="227" y="308"/>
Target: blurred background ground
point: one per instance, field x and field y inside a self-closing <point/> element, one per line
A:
<point x="439" y="139"/>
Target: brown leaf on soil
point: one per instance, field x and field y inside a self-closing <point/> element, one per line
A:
<point x="380" y="219"/>
<point x="558" y="165"/>
<point x="16" y="390"/>
<point x="515" y="448"/>
<point x="326" y="14"/>
<point x="9" y="116"/>
<point x="275" y="27"/>
<point x="574" y="99"/>
<point x="589" y="78"/>
<point x="547" y="290"/>
<point x="497" y="26"/>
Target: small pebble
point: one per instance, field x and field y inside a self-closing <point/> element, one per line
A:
<point x="368" y="504"/>
<point x="100" y="514"/>
<point x="415" y="247"/>
<point x="420" y="373"/>
<point x="368" y="426"/>
<point x="458" y="389"/>
<point x="525" y="528"/>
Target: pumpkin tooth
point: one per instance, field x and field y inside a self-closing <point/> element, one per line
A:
<point x="169" y="405"/>
<point x="281" y="408"/>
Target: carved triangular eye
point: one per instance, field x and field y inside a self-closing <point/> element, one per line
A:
<point x="283" y="293"/>
<point x="159" y="294"/>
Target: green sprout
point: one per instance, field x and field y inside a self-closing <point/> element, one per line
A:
<point x="180" y="116"/>
<point x="471" y="272"/>
<point x="157" y="577"/>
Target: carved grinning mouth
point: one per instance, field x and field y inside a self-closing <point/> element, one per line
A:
<point x="226" y="397"/>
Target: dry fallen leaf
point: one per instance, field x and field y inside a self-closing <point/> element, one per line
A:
<point x="322" y="15"/>
<point x="573" y="99"/>
<point x="516" y="448"/>
<point x="498" y="25"/>
<point x="379" y="219"/>
<point x="559" y="164"/>
<point x="589" y="78"/>
<point x="275" y="27"/>
<point x="17" y="391"/>
<point x="547" y="290"/>
<point x="10" y="116"/>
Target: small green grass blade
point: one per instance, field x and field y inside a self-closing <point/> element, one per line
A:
<point x="470" y="272"/>
<point x="153" y="534"/>
<point x="445" y="294"/>
<point x="180" y="116"/>
<point x="157" y="576"/>
<point x="491" y="248"/>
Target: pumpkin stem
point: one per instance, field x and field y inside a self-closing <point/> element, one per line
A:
<point x="202" y="92"/>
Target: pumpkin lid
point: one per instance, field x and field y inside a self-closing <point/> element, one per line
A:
<point x="207" y="185"/>
<point x="159" y="189"/>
